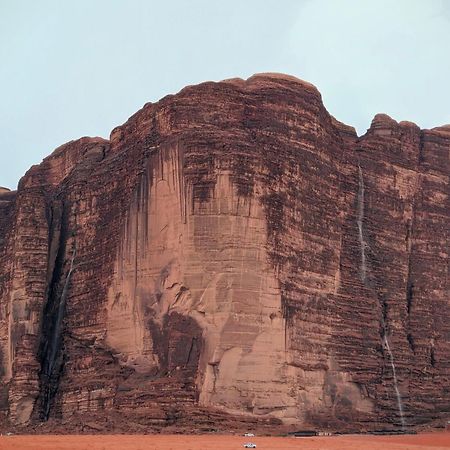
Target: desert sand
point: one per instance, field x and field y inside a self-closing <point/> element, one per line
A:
<point x="432" y="441"/>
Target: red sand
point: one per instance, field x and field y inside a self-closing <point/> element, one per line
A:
<point x="424" y="441"/>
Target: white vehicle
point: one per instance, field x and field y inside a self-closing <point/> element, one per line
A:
<point x="249" y="445"/>
<point x="249" y="435"/>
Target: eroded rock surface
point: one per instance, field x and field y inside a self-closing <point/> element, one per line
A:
<point x="233" y="256"/>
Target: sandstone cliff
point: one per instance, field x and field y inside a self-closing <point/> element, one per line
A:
<point x="233" y="255"/>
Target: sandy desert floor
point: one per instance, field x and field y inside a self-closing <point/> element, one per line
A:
<point x="424" y="441"/>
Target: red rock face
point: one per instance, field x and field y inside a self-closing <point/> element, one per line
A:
<point x="233" y="256"/>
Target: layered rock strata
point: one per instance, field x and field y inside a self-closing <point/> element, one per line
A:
<point x="232" y="255"/>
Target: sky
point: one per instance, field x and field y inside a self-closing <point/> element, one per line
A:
<point x="79" y="68"/>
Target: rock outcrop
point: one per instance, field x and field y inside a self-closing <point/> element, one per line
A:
<point x="232" y="255"/>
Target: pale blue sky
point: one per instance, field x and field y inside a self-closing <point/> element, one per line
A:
<point x="80" y="67"/>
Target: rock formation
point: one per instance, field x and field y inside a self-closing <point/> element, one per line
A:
<point x="232" y="255"/>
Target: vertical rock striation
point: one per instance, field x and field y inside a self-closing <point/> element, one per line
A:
<point x="232" y="255"/>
